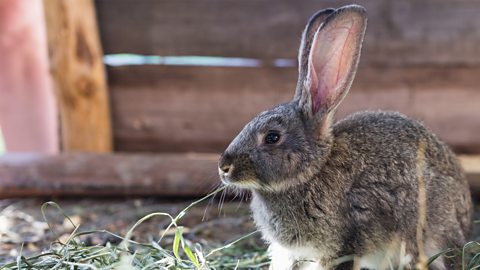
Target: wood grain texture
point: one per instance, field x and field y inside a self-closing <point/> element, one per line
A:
<point x="178" y="109"/>
<point x="408" y="32"/>
<point x="81" y="174"/>
<point x="79" y="75"/>
<point x="471" y="165"/>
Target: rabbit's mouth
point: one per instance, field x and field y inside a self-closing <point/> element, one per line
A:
<point x="228" y="180"/>
<point x="244" y="184"/>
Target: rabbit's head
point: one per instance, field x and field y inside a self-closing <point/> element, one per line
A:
<point x="288" y="144"/>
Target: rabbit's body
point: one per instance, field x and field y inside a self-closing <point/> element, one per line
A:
<point x="377" y="186"/>
<point x="364" y="200"/>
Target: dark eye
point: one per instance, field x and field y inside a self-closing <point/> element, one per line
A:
<point x="272" y="137"/>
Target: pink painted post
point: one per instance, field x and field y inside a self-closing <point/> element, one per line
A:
<point x="28" y="112"/>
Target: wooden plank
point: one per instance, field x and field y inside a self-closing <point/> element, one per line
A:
<point x="79" y="75"/>
<point x="408" y="32"/>
<point x="189" y="109"/>
<point x="471" y="165"/>
<point x="81" y="174"/>
<point x="175" y="109"/>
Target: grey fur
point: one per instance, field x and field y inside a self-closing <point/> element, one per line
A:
<point x="303" y="53"/>
<point x="348" y="188"/>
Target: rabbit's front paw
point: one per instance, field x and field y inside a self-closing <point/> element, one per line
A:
<point x="282" y="258"/>
<point x="290" y="258"/>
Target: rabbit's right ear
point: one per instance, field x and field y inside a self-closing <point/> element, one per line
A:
<point x="331" y="63"/>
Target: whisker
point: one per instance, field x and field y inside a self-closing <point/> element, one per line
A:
<point x="242" y="194"/>
<point x="222" y="200"/>
<point x="211" y="200"/>
<point x="234" y="197"/>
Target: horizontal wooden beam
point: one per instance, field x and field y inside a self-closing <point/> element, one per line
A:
<point x="179" y="109"/>
<point x="407" y="32"/>
<point x="471" y="165"/>
<point x="84" y="174"/>
<point x="81" y="174"/>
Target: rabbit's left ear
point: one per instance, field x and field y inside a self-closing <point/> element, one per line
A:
<point x="332" y="61"/>
<point x="307" y="38"/>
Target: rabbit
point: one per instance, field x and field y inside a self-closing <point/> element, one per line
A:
<point x="375" y="190"/>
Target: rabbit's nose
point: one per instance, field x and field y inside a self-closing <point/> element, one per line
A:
<point x="225" y="165"/>
<point x="226" y="168"/>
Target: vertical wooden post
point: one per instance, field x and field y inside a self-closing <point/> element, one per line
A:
<point x="79" y="75"/>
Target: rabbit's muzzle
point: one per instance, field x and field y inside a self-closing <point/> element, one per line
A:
<point x="225" y="171"/>
<point x="236" y="169"/>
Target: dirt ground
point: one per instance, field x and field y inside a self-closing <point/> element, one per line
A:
<point x="23" y="229"/>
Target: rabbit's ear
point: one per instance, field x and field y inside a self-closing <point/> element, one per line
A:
<point x="307" y="37"/>
<point x="332" y="61"/>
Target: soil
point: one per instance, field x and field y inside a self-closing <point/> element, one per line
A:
<point x="24" y="230"/>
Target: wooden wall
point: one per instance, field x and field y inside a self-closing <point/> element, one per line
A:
<point x="421" y="57"/>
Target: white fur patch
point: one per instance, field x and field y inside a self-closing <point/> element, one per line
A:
<point x="283" y="258"/>
<point x="308" y="258"/>
<point x="392" y="256"/>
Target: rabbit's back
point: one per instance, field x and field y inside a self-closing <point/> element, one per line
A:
<point x="392" y="160"/>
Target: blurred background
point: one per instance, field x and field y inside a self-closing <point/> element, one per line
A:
<point x="117" y="109"/>
<point x="159" y="88"/>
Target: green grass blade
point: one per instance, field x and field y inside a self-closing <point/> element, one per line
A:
<point x="191" y="256"/>
<point x="176" y="242"/>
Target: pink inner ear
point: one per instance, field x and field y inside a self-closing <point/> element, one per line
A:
<point x="317" y="90"/>
<point x="331" y="61"/>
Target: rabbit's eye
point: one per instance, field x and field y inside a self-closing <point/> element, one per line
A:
<point x="272" y="137"/>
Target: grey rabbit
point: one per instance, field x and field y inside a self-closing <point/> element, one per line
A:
<point x="376" y="190"/>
